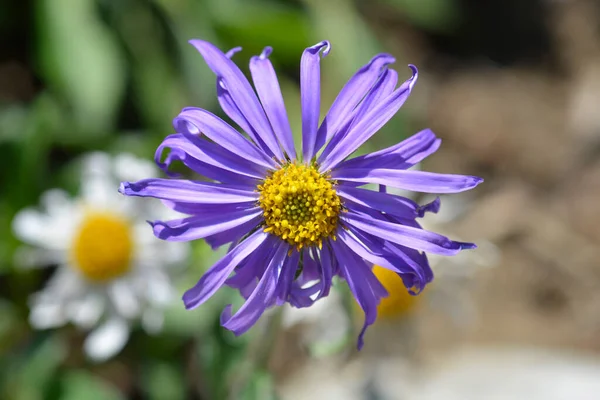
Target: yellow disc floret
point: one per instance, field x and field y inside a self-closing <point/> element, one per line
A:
<point x="103" y="247"/>
<point x="300" y="205"/>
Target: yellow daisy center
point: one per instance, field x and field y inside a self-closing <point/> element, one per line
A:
<point x="103" y="247"/>
<point x="300" y="205"/>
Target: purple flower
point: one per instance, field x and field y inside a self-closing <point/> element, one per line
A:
<point x="296" y="220"/>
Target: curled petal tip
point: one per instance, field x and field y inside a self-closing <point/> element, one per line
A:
<point x="129" y="188"/>
<point x="189" y="301"/>
<point x="225" y="315"/>
<point x="198" y="43"/>
<point x="323" y="45"/>
<point x="474" y="181"/>
<point x="327" y="47"/>
<point x="433" y="207"/>
<point x="385" y="59"/>
<point x="231" y="52"/>
<point x="266" y="53"/>
<point x="415" y="75"/>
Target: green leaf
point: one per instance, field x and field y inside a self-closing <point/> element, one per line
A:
<point x="163" y="381"/>
<point x="12" y="120"/>
<point x="436" y="15"/>
<point x="353" y="43"/>
<point x="256" y="24"/>
<point x="260" y="387"/>
<point x="81" y="61"/>
<point x="31" y="371"/>
<point x="79" y="385"/>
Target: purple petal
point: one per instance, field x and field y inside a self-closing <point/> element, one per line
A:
<point x="269" y="92"/>
<point x="199" y="208"/>
<point x="241" y="92"/>
<point x="233" y="234"/>
<point x="432" y="207"/>
<point x="400" y="156"/>
<point x="350" y="96"/>
<point x="363" y="284"/>
<point x="182" y="149"/>
<point x="326" y="268"/>
<point x="408" y="236"/>
<point x="229" y="54"/>
<point x="310" y="93"/>
<point x="288" y="272"/>
<point x="214" y="278"/>
<point x="201" y="226"/>
<point x="220" y="157"/>
<point x="310" y="268"/>
<point x="386" y="256"/>
<point x="414" y="258"/>
<point x="384" y="202"/>
<point x="258" y="301"/>
<point x="242" y="277"/>
<point x="253" y="266"/>
<point x="301" y="297"/>
<point x="180" y="190"/>
<point x="233" y="112"/>
<point x="382" y="89"/>
<point x="221" y="133"/>
<point x="372" y="121"/>
<point x="417" y="181"/>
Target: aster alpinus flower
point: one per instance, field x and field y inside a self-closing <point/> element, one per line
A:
<point x="111" y="271"/>
<point x="294" y="221"/>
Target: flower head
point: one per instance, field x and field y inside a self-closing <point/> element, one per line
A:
<point x="111" y="270"/>
<point x="295" y="220"/>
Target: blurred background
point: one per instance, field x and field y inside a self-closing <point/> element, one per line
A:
<point x="513" y="89"/>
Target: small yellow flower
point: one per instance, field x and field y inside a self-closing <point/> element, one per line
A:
<point x="399" y="302"/>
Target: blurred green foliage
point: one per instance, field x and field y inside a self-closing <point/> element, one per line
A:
<point x="110" y="75"/>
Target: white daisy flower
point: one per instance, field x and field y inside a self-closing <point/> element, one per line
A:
<point x="111" y="271"/>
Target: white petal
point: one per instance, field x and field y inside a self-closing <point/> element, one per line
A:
<point x="29" y="257"/>
<point x="153" y="320"/>
<point x="175" y="253"/>
<point x="56" y="202"/>
<point x="96" y="163"/>
<point x="128" y="167"/>
<point x="50" y="228"/>
<point x="144" y="238"/>
<point x="107" y="340"/>
<point x="65" y="285"/>
<point x="153" y="251"/>
<point x="39" y="229"/>
<point x="159" y="289"/>
<point x="46" y="315"/>
<point x="86" y="312"/>
<point x="124" y="299"/>
<point x="100" y="191"/>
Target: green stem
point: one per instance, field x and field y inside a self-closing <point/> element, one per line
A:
<point x="258" y="355"/>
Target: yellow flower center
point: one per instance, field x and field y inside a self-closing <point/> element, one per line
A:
<point x="102" y="248"/>
<point x="300" y="205"/>
<point x="399" y="302"/>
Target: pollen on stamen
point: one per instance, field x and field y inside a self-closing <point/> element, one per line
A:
<point x="300" y="205"/>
